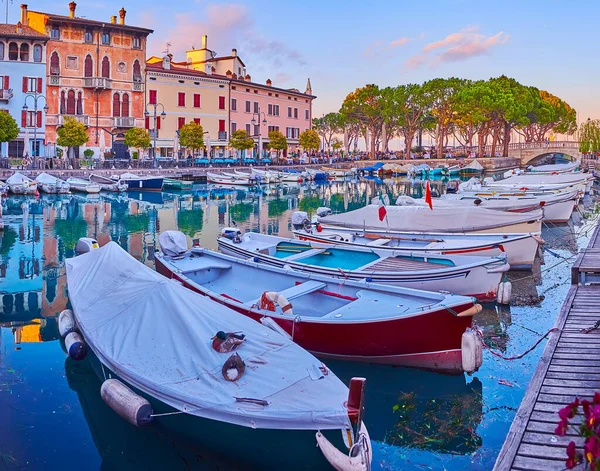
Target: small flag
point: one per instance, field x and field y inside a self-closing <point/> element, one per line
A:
<point x="382" y="212"/>
<point x="428" y="195"/>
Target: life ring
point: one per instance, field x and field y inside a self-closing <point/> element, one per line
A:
<point x="270" y="298"/>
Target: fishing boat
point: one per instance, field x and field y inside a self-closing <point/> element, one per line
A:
<point x="440" y="170"/>
<point x="266" y="176"/>
<point x="419" y="171"/>
<point x="459" y="274"/>
<point x="422" y="219"/>
<point x="221" y="179"/>
<point x="3" y="188"/>
<point x="293" y="176"/>
<point x="554" y="168"/>
<point x="454" y="170"/>
<point x="472" y="168"/>
<point x="174" y="184"/>
<point x="317" y="175"/>
<point x="562" y="181"/>
<point x="340" y="172"/>
<point x="349" y="320"/>
<point x="20" y="184"/>
<point x="556" y="208"/>
<point x="520" y="249"/>
<point x="108" y="184"/>
<point x="52" y="185"/>
<point x="237" y="378"/>
<point x="372" y="169"/>
<point x="138" y="183"/>
<point x="83" y="186"/>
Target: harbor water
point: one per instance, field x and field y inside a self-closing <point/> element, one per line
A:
<point x="51" y="412"/>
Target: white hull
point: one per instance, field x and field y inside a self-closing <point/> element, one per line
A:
<point x="22" y="188"/>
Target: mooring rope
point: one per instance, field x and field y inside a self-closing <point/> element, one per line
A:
<point x="517" y="357"/>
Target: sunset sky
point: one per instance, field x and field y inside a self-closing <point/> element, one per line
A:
<point x="343" y="45"/>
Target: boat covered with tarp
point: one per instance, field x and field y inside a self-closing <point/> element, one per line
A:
<point x="20" y="184"/>
<point x="108" y="184"/>
<point x="53" y="185"/>
<point x="158" y="337"/>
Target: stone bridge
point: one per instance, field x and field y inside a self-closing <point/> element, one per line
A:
<point x="531" y="152"/>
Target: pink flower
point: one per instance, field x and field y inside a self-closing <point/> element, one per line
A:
<point x="593" y="417"/>
<point x="561" y="428"/>
<point x="573" y="458"/>
<point x="592" y="449"/>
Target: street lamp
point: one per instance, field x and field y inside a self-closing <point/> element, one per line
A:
<point x="264" y="122"/>
<point x="163" y="115"/>
<point x="35" y="96"/>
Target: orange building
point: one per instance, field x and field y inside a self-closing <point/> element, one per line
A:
<point x="95" y="73"/>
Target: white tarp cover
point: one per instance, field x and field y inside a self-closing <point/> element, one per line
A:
<point x="473" y="165"/>
<point x="172" y="243"/>
<point x="571" y="166"/>
<point x="156" y="335"/>
<point x="17" y="178"/>
<point x="422" y="219"/>
<point x="528" y="179"/>
<point x="298" y="217"/>
<point x="46" y="178"/>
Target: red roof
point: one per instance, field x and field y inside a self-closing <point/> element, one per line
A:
<point x="10" y="31"/>
<point x="85" y="22"/>
<point x="184" y="71"/>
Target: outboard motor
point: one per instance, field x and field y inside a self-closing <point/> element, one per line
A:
<point x="173" y="243"/>
<point x="300" y="220"/>
<point x="323" y="211"/>
<point x="85" y="245"/>
<point x="232" y="233"/>
<point x="452" y="186"/>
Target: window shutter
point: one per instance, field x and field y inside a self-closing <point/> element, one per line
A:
<point x="147" y="122"/>
<point x="158" y="122"/>
<point x="221" y="125"/>
<point x="39" y="85"/>
<point x="152" y="97"/>
<point x="197" y="120"/>
<point x="25" y="84"/>
<point x="6" y="80"/>
<point x="24" y="119"/>
<point x="38" y="118"/>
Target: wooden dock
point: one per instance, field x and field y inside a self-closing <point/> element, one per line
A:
<point x="568" y="368"/>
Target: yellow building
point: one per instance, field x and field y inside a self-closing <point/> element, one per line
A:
<point x="186" y="95"/>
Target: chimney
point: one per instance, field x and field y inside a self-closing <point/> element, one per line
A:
<point x="204" y="41"/>
<point x="122" y="14"/>
<point x="113" y="19"/>
<point x="234" y="52"/>
<point x="234" y="76"/>
<point x="167" y="62"/>
<point x="248" y="78"/>
<point x="269" y="83"/>
<point x="72" y="7"/>
<point x="23" y="14"/>
<point x="228" y="73"/>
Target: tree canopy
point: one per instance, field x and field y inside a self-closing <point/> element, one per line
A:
<point x="9" y="129"/>
<point x="277" y="141"/>
<point x="309" y="140"/>
<point x="327" y="126"/>
<point x="191" y="136"/>
<point x="137" y="138"/>
<point x="72" y="133"/>
<point x="241" y="140"/>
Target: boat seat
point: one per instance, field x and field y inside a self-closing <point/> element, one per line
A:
<point x="304" y="254"/>
<point x="367" y="301"/>
<point x="296" y="291"/>
<point x="378" y="242"/>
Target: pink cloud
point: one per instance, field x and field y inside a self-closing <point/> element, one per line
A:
<point x="377" y="48"/>
<point x="415" y="62"/>
<point x="400" y="42"/>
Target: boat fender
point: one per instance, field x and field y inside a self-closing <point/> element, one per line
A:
<point x="471" y="351"/>
<point x="270" y="298"/>
<point x="472" y="311"/>
<point x="66" y="322"/>
<point x="75" y="346"/>
<point x="504" y="292"/>
<point x="130" y="406"/>
<point x="359" y="458"/>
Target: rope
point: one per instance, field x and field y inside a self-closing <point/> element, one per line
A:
<point x="517" y="357"/>
<point x="590" y="329"/>
<point x="168" y="413"/>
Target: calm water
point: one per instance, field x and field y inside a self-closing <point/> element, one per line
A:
<point x="51" y="412"/>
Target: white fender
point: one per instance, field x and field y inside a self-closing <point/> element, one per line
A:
<point x="361" y="461"/>
<point x="504" y="292"/>
<point x="471" y="351"/>
<point x="66" y="322"/>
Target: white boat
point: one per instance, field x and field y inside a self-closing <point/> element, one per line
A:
<point x="108" y="184"/>
<point x="83" y="186"/>
<point x="260" y="388"/>
<point x="20" y="184"/>
<point x="554" y="168"/>
<point x="556" y="207"/>
<point x="222" y="179"/>
<point x="416" y="219"/>
<point x="562" y="181"/>
<point x="478" y="277"/>
<point x="267" y="176"/>
<point x="50" y="184"/>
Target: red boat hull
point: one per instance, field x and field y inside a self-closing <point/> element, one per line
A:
<point x="430" y="340"/>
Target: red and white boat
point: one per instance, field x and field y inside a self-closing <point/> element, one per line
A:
<point x="333" y="318"/>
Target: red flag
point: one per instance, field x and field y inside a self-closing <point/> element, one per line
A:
<point x="428" y="195"/>
<point x="382" y="212"/>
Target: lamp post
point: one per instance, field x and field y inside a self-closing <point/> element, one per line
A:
<point x="163" y="115"/>
<point x="35" y="96"/>
<point x="254" y="121"/>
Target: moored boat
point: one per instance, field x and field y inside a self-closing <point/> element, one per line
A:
<point x="562" y="181"/>
<point x="458" y="274"/>
<point x="20" y="184"/>
<point x="175" y="184"/>
<point x="221" y="179"/>
<point x="141" y="183"/>
<point x="108" y="184"/>
<point x="52" y="185"/>
<point x="237" y="378"/>
<point x="83" y="186"/>
<point x="472" y="168"/>
<point x="351" y="320"/>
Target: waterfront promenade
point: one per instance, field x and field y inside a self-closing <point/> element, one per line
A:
<point x="568" y="368"/>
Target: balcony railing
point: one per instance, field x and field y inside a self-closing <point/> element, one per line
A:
<point x="124" y="122"/>
<point x="99" y="83"/>
<point x="81" y="118"/>
<point x="6" y="95"/>
<point x="222" y="135"/>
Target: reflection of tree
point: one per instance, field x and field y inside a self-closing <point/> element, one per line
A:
<point x="241" y="211"/>
<point x="7" y="240"/>
<point x="277" y="207"/>
<point x="309" y="204"/>
<point x="70" y="231"/>
<point x="190" y="222"/>
<point x="136" y="222"/>
<point x="336" y="203"/>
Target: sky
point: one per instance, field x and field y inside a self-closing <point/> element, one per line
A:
<point x="343" y="45"/>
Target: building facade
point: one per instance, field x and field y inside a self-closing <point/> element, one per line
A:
<point x="22" y="80"/>
<point x="186" y="96"/>
<point x="95" y="73"/>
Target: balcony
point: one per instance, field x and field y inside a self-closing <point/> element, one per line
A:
<point x="99" y="83"/>
<point x="222" y="135"/>
<point x="6" y="95"/>
<point x="124" y="122"/>
<point x="81" y="118"/>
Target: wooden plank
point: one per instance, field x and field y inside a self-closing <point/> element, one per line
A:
<point x="549" y="439"/>
<point x="566" y="374"/>
<point x="515" y="434"/>
<point x="526" y="463"/>
<point x="545" y="427"/>
<point x="542" y="451"/>
<point x="557" y="399"/>
<point x="575" y="391"/>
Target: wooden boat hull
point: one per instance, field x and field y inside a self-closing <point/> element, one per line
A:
<point x="407" y="341"/>
<point x="144" y="184"/>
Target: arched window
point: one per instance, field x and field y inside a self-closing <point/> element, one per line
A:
<point x="88" y="69"/>
<point x="13" y="52"/>
<point x="24" y="52"/>
<point x="116" y="105"/>
<point x="79" y="104"/>
<point x="63" y="103"/>
<point x="125" y="106"/>
<point x="71" y="102"/>
<point x="137" y="71"/>
<point x="1" y="51"/>
<point x="105" y="67"/>
<point x="54" y="64"/>
<point x="37" y="53"/>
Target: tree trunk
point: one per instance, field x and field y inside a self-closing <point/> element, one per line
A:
<point x="409" y="136"/>
<point x="506" y="139"/>
<point x="481" y="144"/>
<point x="440" y="141"/>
